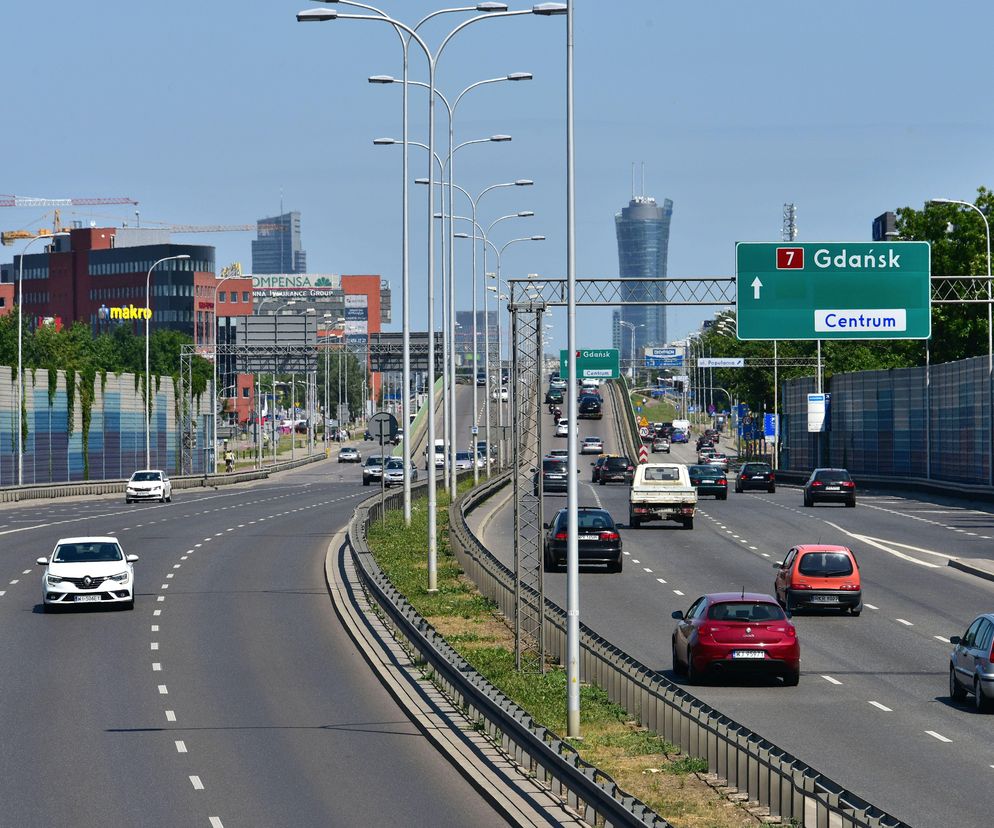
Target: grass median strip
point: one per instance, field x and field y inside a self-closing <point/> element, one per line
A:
<point x="641" y="762"/>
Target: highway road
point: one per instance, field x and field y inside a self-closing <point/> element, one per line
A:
<point x="230" y="696"/>
<point x="872" y="709"/>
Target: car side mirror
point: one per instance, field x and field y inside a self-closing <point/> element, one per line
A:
<point x="131" y="558"/>
<point x="545" y="525"/>
<point x="677" y="614"/>
<point x="42" y="561"/>
<point x="778" y="565"/>
<point x="953" y="639"/>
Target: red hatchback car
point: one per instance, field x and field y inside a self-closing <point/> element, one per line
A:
<point x="736" y="631"/>
<point x="819" y="576"/>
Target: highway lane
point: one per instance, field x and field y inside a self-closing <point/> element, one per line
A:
<point x="229" y="696"/>
<point x="871" y="710"/>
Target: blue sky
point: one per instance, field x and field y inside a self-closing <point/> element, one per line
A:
<point x="205" y="112"/>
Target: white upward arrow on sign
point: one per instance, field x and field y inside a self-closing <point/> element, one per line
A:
<point x="756" y="285"/>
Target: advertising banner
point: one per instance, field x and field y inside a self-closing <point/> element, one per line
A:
<point x="356" y="300"/>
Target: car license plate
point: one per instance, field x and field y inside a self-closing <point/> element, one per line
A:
<point x="554" y="477"/>
<point x="833" y="488"/>
<point x="86" y="599"/>
<point x="757" y="654"/>
<point x="824" y="599"/>
<point x="588" y="537"/>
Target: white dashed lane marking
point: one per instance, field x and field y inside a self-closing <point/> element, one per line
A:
<point x="170" y="715"/>
<point x="197" y="784"/>
<point x="180" y="746"/>
<point x="938" y="736"/>
<point x="831" y="680"/>
<point x="880" y="706"/>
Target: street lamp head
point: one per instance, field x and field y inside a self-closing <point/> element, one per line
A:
<point x="537" y="238"/>
<point x="500" y="138"/>
<point x="549" y="9"/>
<point x="491" y="7"/>
<point x="523" y="182"/>
<point x="525" y="213"/>
<point x="421" y="181"/>
<point x="384" y="142"/>
<point x="492" y="288"/>
<point x="316" y="15"/>
<point x="461" y="235"/>
<point x="181" y="256"/>
<point x="382" y="79"/>
<point x="939" y="201"/>
<point x="519" y="76"/>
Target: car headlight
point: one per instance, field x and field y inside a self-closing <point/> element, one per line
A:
<point x="120" y="578"/>
<point x="53" y="580"/>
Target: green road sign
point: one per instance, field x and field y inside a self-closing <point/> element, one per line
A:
<point x="592" y="363"/>
<point x="833" y="290"/>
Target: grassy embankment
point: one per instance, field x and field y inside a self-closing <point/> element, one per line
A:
<point x="643" y="764"/>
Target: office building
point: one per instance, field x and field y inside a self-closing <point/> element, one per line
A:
<point x="885" y="227"/>
<point x="643" y="232"/>
<point x="464" y="337"/>
<point x="277" y="249"/>
<point x="98" y="275"/>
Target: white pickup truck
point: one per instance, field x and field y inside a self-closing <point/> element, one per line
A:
<point x="662" y="491"/>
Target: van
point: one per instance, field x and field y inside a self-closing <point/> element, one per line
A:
<point x="682" y="425"/>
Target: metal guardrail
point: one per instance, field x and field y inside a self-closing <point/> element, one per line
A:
<point x="592" y="793"/>
<point x="43" y="491"/>
<point x="626" y="423"/>
<point x="790" y="788"/>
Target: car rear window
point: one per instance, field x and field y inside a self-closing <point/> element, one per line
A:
<point x="745" y="611"/>
<point x="665" y="474"/>
<point x="594" y="519"/>
<point x="705" y="471"/>
<point x="554" y="466"/>
<point x="832" y="476"/>
<point x="616" y="463"/>
<point x="756" y="468"/>
<point x="825" y="564"/>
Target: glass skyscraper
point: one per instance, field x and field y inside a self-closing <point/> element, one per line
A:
<point x="277" y="248"/>
<point x="643" y="230"/>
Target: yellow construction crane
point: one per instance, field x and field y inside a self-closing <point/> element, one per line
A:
<point x="11" y="236"/>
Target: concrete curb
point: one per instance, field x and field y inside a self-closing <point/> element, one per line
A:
<point x="980" y="567"/>
<point x="488" y="770"/>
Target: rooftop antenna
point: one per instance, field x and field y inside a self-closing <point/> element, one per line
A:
<point x="633" y="181"/>
<point x="789" y="231"/>
<point x="743" y="592"/>
<point x="643" y="179"/>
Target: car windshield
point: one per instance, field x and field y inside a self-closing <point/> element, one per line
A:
<point x="756" y="468"/>
<point x="554" y="466"/>
<point x="704" y="471"/>
<point x="463" y="455"/>
<point x="147" y="475"/>
<point x="746" y="611"/>
<point x="663" y="473"/>
<point x="558" y="452"/>
<point x="374" y="460"/>
<point x="825" y="564"/>
<point x="616" y="463"/>
<point x="87" y="552"/>
<point x="832" y="476"/>
<point x="395" y="465"/>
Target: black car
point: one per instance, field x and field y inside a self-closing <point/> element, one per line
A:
<point x="554" y="396"/>
<point x="830" y="485"/>
<point x="597" y="465"/>
<point x="553" y="475"/>
<point x="598" y="540"/>
<point x="755" y="476"/>
<point x="481" y="377"/>
<point x="709" y="480"/>
<point x="589" y="408"/>
<point x="616" y="470"/>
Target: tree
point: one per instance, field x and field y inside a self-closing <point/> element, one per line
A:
<point x="959" y="248"/>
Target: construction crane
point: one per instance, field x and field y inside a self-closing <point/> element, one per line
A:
<point x="11" y="236"/>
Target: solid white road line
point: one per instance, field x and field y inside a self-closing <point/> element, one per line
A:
<point x="881" y="707"/>
<point x="938" y="736"/>
<point x="831" y="680"/>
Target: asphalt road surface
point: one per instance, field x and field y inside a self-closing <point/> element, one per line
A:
<point x="872" y="710"/>
<point x="230" y="696"/>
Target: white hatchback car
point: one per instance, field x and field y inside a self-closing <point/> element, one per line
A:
<point x="562" y="428"/>
<point x="88" y="570"/>
<point x="149" y="484"/>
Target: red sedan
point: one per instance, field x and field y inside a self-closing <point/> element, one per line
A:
<point x="736" y="631"/>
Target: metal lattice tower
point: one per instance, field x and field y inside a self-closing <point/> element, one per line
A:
<point x="789" y="232"/>
<point x="526" y="413"/>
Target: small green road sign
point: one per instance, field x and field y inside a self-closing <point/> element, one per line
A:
<point x="835" y="290"/>
<point x="592" y="363"/>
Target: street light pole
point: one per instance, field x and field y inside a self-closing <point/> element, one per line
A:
<point x="214" y="418"/>
<point x="148" y="376"/>
<point x="20" y="357"/>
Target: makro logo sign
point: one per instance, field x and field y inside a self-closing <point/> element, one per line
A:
<point x="130" y="312"/>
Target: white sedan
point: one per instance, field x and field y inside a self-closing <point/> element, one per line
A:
<point x="592" y="445"/>
<point x="562" y="428"/>
<point x="149" y="484"/>
<point x="90" y="570"/>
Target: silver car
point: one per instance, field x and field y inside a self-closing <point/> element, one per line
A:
<point x="970" y="667"/>
<point x="394" y="473"/>
<point x="464" y="460"/>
